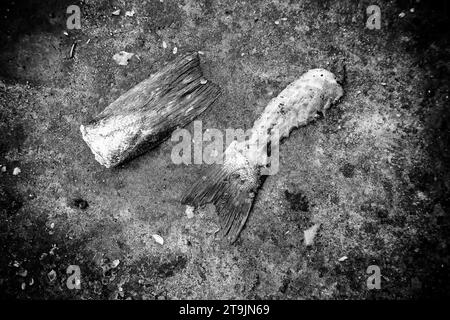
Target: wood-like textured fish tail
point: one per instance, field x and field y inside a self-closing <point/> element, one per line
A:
<point x="232" y="187"/>
<point x="145" y="115"/>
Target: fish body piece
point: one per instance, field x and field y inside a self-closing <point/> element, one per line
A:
<point x="233" y="186"/>
<point x="145" y="115"/>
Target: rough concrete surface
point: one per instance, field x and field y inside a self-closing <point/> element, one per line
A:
<point x="373" y="172"/>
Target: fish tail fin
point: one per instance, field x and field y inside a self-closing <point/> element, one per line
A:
<point x="232" y="190"/>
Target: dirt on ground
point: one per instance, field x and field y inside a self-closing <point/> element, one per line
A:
<point x="372" y="174"/>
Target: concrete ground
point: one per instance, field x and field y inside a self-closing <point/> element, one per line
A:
<point x="374" y="173"/>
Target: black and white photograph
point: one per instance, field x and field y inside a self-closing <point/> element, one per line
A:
<point x="241" y="152"/>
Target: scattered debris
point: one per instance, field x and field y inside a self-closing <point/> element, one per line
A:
<point x="422" y="196"/>
<point x="342" y="259"/>
<point x="164" y="45"/>
<point x="115" y="263"/>
<point x="129" y="13"/>
<point x="72" y="50"/>
<point x="190" y="212"/>
<point x="52" y="250"/>
<point x="175" y="50"/>
<point x="16" y="171"/>
<point x="158" y="239"/>
<point x="310" y="234"/>
<point x="16" y="264"/>
<point x="116" y="13"/>
<point x="122" y="58"/>
<point x="51" y="275"/>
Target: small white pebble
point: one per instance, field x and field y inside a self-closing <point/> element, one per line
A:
<point x="16" y="171"/>
<point x="116" y="13"/>
<point x="122" y="58"/>
<point x="401" y="15"/>
<point x="342" y="259"/>
<point x="164" y="45"/>
<point x="203" y="81"/>
<point x="52" y="225"/>
<point x="383" y="83"/>
<point x="190" y="212"/>
<point x="158" y="239"/>
<point x="129" y="13"/>
<point x="277" y="22"/>
<point x="23" y="286"/>
<point x="175" y="50"/>
<point x="412" y="10"/>
<point x="201" y="53"/>
<point x="115" y="263"/>
<point x="4" y="169"/>
<point x="31" y="282"/>
<point x="284" y="19"/>
<point x="66" y="33"/>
